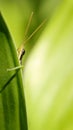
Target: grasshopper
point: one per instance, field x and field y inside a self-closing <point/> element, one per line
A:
<point x="21" y="50"/>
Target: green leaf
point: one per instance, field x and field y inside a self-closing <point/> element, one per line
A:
<point x="48" y="74"/>
<point x="12" y="103"/>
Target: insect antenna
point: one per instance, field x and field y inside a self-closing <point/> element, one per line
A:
<point x="28" y="25"/>
<point x="33" y="33"/>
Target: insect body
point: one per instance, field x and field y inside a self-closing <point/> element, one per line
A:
<point x="21" y="52"/>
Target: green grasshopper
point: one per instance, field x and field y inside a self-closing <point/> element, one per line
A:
<point x="21" y="50"/>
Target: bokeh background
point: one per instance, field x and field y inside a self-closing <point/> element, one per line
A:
<point x="48" y="63"/>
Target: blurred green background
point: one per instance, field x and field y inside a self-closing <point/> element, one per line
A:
<point x="48" y="70"/>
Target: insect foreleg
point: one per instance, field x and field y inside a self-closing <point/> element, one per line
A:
<point x="15" y="68"/>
